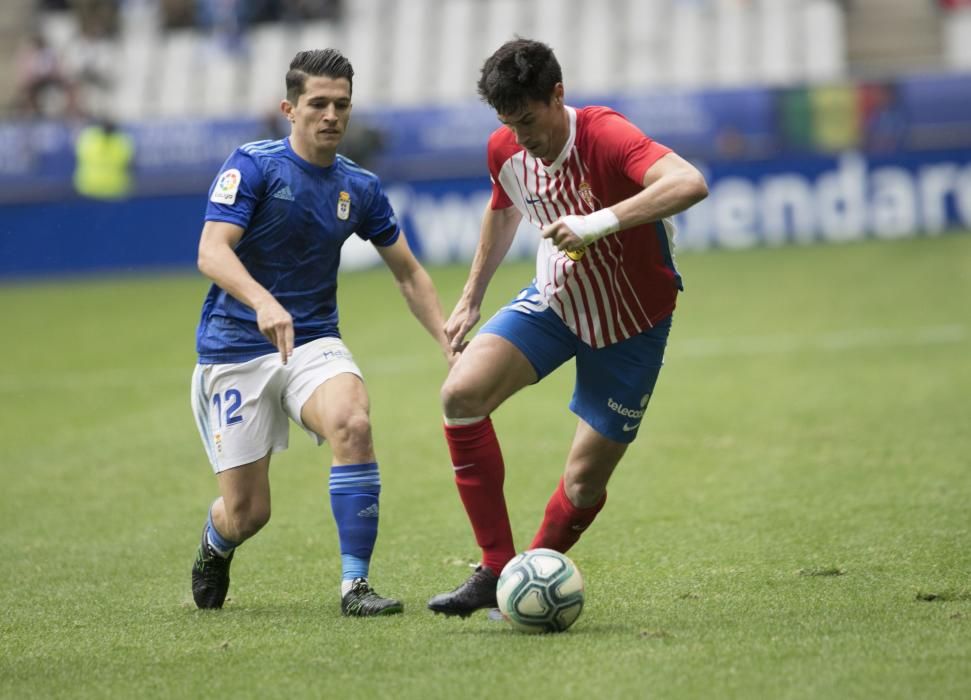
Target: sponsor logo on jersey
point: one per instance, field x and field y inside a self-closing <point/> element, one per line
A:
<point x="226" y="187"/>
<point x="343" y="206"/>
<point x="634" y="413"/>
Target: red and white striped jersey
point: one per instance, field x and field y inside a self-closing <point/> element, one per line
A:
<point x="626" y="282"/>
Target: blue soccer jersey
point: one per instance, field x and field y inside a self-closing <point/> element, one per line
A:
<point x="296" y="217"/>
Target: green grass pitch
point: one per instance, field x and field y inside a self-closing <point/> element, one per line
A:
<point x="793" y="522"/>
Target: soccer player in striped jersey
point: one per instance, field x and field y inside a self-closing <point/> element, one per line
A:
<point x="268" y="340"/>
<point x="602" y="194"/>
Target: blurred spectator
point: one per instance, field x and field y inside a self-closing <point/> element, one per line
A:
<point x="97" y="19"/>
<point x="43" y="88"/>
<point x="362" y="143"/>
<point x="224" y="19"/>
<point x="92" y="61"/>
<point x="228" y="19"/>
<point x="91" y="66"/>
<point x="295" y="10"/>
<point x="104" y="161"/>
<point x="275" y="126"/>
<point x="258" y="11"/>
<point x="178" y="14"/>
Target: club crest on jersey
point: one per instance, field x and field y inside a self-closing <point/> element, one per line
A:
<point x="586" y="194"/>
<point x="226" y="187"/>
<point x="343" y="206"/>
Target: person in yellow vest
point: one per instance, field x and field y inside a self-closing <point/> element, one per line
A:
<point x="104" y="157"/>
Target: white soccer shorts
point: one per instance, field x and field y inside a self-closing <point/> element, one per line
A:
<point x="241" y="409"/>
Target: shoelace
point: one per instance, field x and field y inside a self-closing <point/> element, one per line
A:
<point x="213" y="566"/>
<point x="365" y="601"/>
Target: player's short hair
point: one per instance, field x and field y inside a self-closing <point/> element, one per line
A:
<point x="519" y="70"/>
<point x="329" y="62"/>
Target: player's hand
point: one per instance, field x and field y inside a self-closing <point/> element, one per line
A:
<point x="462" y="320"/>
<point x="451" y="357"/>
<point x="276" y="324"/>
<point x="562" y="236"/>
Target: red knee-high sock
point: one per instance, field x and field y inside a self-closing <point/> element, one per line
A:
<point x="479" y="475"/>
<point x="564" y="522"/>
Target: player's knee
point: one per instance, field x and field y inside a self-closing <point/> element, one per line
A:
<point x="353" y="433"/>
<point x="584" y="494"/>
<point x="459" y="401"/>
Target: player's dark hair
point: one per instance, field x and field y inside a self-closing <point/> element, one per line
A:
<point x="519" y="70"/>
<point x="329" y="62"/>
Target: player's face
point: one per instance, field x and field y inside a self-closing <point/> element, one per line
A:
<point x="321" y="114"/>
<point x="540" y="128"/>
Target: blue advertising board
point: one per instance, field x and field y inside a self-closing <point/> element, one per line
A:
<point x="901" y="165"/>
<point x="845" y="197"/>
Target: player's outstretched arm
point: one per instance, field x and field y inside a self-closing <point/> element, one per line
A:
<point x="496" y="235"/>
<point x="218" y="261"/>
<point x="418" y="290"/>
<point x="671" y="185"/>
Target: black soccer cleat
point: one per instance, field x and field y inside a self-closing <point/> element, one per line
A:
<point x="478" y="591"/>
<point x="362" y="601"/>
<point x="210" y="576"/>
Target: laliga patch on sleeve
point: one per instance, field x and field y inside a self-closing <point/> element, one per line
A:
<point x="226" y="187"/>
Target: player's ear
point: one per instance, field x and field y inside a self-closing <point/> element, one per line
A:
<point x="558" y="94"/>
<point x="287" y="108"/>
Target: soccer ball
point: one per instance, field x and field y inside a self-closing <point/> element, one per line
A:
<point x="540" y="590"/>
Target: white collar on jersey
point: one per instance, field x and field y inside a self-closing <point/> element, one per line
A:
<point x="568" y="146"/>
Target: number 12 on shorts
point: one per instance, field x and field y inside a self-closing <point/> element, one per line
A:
<point x="232" y="400"/>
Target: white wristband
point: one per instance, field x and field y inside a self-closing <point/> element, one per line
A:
<point x="593" y="227"/>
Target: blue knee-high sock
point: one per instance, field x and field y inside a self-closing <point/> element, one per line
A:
<point x="223" y="546"/>
<point x="354" y="490"/>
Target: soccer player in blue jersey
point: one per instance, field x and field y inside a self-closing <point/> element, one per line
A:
<point x="268" y="341"/>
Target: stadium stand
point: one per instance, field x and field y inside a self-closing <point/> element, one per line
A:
<point x="427" y="51"/>
<point x="893" y="36"/>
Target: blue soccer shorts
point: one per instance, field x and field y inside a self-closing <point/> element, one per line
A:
<point x="613" y="384"/>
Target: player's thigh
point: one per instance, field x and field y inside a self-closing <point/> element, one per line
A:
<point x="614" y="384"/>
<point x="332" y="405"/>
<point x="490" y="370"/>
<point x="324" y="385"/>
<point x="238" y="411"/>
<point x="518" y="346"/>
